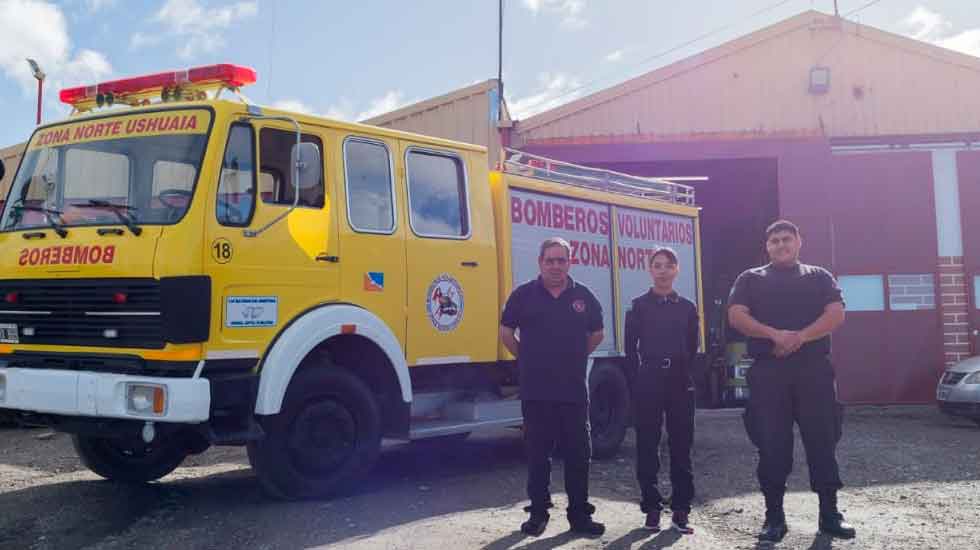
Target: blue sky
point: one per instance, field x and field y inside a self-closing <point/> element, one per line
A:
<point x="357" y="59"/>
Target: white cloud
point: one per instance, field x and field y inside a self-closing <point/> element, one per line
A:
<point x="199" y="26"/>
<point x="553" y="90"/>
<point x="392" y="100"/>
<point x="342" y="110"/>
<point x="967" y="42"/>
<point x="293" y="105"/>
<point x="39" y="30"/>
<point x="929" y="26"/>
<point x="570" y="11"/>
<point x="926" y="25"/>
<point x="616" y="56"/>
<point x="345" y="109"/>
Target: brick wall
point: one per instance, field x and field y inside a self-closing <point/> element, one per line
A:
<point x="954" y="303"/>
<point x="911" y="292"/>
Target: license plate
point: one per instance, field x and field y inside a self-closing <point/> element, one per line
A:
<point x="943" y="394"/>
<point x="8" y="334"/>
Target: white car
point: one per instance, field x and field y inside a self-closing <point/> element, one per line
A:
<point x="958" y="392"/>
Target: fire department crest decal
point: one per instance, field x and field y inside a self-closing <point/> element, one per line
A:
<point x="444" y="303"/>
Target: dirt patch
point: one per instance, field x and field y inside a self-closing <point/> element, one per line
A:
<point x="912" y="475"/>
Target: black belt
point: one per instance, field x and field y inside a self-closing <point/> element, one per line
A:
<point x="662" y="362"/>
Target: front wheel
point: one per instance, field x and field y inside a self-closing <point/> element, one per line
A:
<point x="609" y="406"/>
<point x="130" y="460"/>
<point x="327" y="436"/>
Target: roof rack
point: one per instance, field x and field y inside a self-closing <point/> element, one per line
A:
<point x="525" y="164"/>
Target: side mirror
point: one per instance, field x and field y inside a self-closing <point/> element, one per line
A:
<point x="310" y="167"/>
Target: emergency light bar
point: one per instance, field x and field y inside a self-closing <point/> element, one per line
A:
<point x="169" y="83"/>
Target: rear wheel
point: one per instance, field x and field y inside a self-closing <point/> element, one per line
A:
<point x="327" y="436"/>
<point x="609" y="406"/>
<point x="130" y="460"/>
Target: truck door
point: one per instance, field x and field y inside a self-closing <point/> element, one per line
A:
<point x="452" y="274"/>
<point x="372" y="231"/>
<point x="261" y="282"/>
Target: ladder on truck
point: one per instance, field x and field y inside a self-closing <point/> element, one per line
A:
<point x="525" y="164"/>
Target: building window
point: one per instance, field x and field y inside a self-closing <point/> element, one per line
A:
<point x="976" y="291"/>
<point x="911" y="292"/>
<point x="276" y="175"/>
<point x="863" y="292"/>
<point x="437" y="194"/>
<point x="370" y="205"/>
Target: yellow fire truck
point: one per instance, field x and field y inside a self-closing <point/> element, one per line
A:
<point x="180" y="270"/>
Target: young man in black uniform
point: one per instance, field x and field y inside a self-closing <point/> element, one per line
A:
<point x="661" y="341"/>
<point x="560" y="324"/>
<point x="788" y="310"/>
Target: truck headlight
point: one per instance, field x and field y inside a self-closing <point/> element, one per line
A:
<point x="3" y="388"/>
<point x="146" y="399"/>
<point x="973" y="378"/>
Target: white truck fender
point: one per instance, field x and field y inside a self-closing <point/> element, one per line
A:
<point x="308" y="331"/>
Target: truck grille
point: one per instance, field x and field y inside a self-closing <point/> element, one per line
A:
<point x="953" y="378"/>
<point x="104" y="312"/>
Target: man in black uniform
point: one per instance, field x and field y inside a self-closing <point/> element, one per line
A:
<point x="788" y="310"/>
<point x="661" y="341"/>
<point x="560" y="323"/>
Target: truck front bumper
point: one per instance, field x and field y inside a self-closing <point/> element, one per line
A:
<point x="100" y="395"/>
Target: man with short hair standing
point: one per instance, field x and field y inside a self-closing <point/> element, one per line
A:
<point x="560" y="323"/>
<point x="788" y="310"/>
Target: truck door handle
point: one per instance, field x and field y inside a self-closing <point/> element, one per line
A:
<point x="470" y="264"/>
<point x="324" y="257"/>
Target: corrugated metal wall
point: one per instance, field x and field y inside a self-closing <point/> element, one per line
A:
<point x="758" y="85"/>
<point x="463" y="115"/>
<point x="10" y="156"/>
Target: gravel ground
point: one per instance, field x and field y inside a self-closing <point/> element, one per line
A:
<point x="912" y="475"/>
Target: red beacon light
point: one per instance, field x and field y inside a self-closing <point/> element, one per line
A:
<point x="167" y="84"/>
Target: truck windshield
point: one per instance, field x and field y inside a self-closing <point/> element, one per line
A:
<point x="144" y="173"/>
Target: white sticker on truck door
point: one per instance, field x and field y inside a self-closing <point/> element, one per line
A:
<point x="251" y="311"/>
<point x="585" y="225"/>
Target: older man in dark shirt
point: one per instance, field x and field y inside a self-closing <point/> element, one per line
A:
<point x="560" y="324"/>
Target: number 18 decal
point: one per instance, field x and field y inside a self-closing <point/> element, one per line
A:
<point x="221" y="251"/>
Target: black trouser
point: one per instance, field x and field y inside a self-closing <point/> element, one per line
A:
<point x="547" y="424"/>
<point x="783" y="391"/>
<point x="659" y="393"/>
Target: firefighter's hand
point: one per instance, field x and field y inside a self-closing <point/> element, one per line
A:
<point x="786" y="343"/>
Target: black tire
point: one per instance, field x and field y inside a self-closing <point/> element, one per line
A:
<point x="609" y="409"/>
<point x="327" y="436"/>
<point x="130" y="460"/>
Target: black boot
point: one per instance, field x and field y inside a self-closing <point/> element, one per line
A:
<point x="586" y="526"/>
<point x="580" y="521"/>
<point x="831" y="520"/>
<point x="774" y="528"/>
<point x="535" y="524"/>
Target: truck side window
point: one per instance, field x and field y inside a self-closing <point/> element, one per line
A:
<point x="437" y="194"/>
<point x="367" y="166"/>
<point x="276" y="180"/>
<point x="236" y="190"/>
